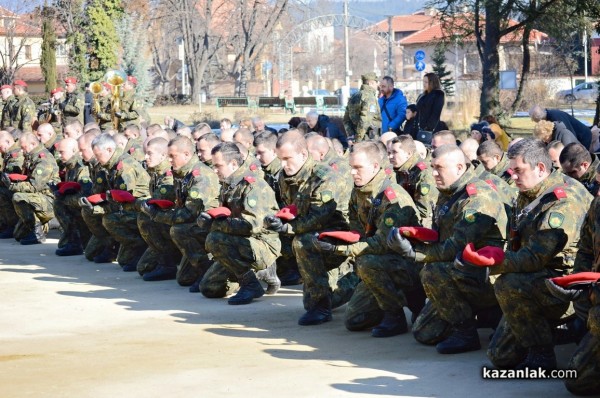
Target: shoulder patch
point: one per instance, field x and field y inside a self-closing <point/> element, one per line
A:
<point x="163" y="190"/>
<point x="195" y="172"/>
<point x="252" y="201"/>
<point x="372" y="108"/>
<point x="123" y="186"/>
<point x="560" y="194"/>
<point x="556" y="219"/>
<point x="99" y="180"/>
<point x="39" y="171"/>
<point x="425" y="188"/>
<point x="120" y="165"/>
<point x="389" y="219"/>
<point x="14" y="154"/>
<point x="491" y="184"/>
<point x="42" y="155"/>
<point x="131" y="151"/>
<point x="471" y="190"/>
<point x="326" y="196"/>
<point x="169" y="173"/>
<point x="422" y="166"/>
<point x="194" y="193"/>
<point x="250" y="179"/>
<point x="470" y="215"/>
<point x="253" y="167"/>
<point x="389" y="193"/>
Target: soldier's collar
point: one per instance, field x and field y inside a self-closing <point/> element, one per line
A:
<point x="236" y="176"/>
<point x="272" y="167"/>
<point x="556" y="177"/>
<point x="114" y="159"/>
<point x="161" y="168"/>
<point x="73" y="161"/>
<point x="187" y="167"/>
<point x="590" y="173"/>
<point x="36" y="151"/>
<point x="374" y="184"/>
<point x="304" y="173"/>
<point x="410" y="163"/>
<point x="465" y="179"/>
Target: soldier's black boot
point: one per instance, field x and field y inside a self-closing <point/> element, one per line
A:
<point x="464" y="339"/>
<point x="415" y="302"/>
<point x="7" y="233"/>
<point x="250" y="289"/>
<point x="160" y="273"/>
<point x="195" y="288"/>
<point x="108" y="255"/>
<point x="321" y="313"/>
<point x="37" y="236"/>
<point x="72" y="247"/>
<point x="291" y="278"/>
<point x="392" y="325"/>
<point x="539" y="357"/>
<point x="269" y="276"/>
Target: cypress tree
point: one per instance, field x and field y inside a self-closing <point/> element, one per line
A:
<point x="439" y="67"/>
<point x="48" y="58"/>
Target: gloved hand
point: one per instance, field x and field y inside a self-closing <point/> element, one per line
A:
<point x="322" y="246"/>
<point x="148" y="209"/>
<point x="400" y="245"/>
<point x="109" y="197"/>
<point x="204" y="220"/>
<point x="84" y="203"/>
<point x="5" y="180"/>
<point x="273" y="223"/>
<point x="566" y="294"/>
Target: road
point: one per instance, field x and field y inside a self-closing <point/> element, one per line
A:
<point x="71" y="328"/>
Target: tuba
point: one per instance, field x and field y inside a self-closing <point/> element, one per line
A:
<point x="96" y="89"/>
<point x="115" y="78"/>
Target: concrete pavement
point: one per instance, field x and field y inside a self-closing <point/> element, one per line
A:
<point x="71" y="328"/>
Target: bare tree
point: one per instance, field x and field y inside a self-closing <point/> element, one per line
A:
<point x="164" y="53"/>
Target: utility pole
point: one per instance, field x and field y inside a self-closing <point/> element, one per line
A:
<point x="391" y="67"/>
<point x="346" y="48"/>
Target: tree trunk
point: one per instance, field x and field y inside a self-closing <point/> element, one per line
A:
<point x="490" y="92"/>
<point x="525" y="70"/>
<point x="242" y="82"/>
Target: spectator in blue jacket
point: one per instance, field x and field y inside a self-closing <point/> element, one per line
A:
<point x="392" y="104"/>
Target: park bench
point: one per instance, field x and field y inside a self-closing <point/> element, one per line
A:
<point x="241" y="102"/>
<point x="271" y="102"/>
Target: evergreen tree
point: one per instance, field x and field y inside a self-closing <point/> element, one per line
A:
<point x="71" y="15"/>
<point x="103" y="41"/>
<point x="439" y="67"/>
<point x="48" y="58"/>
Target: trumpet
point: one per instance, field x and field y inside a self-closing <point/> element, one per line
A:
<point x="96" y="89"/>
<point x="115" y="78"/>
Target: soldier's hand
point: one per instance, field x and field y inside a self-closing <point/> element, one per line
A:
<point x="204" y="220"/>
<point x="399" y="244"/>
<point x="84" y="203"/>
<point x="273" y="223"/>
<point x="148" y="209"/>
<point x="566" y="294"/>
<point x="109" y="197"/>
<point x="5" y="180"/>
<point x="322" y="246"/>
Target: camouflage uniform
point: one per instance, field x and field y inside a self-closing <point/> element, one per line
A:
<point x="543" y="245"/>
<point x="374" y="209"/>
<point x="9" y="113"/>
<point x="337" y="163"/>
<point x="240" y="243"/>
<point x="161" y="249"/>
<point x="135" y="148"/>
<point x="503" y="171"/>
<point x="25" y="113"/>
<point x="51" y="114"/>
<point x="12" y="162"/>
<point x="322" y="202"/>
<point x="362" y="119"/>
<point x="506" y="192"/>
<point x="196" y="190"/>
<point x="588" y="179"/>
<point x="272" y="173"/>
<point x="66" y="207"/>
<point x="32" y="199"/>
<point x="467" y="212"/>
<point x="416" y="178"/>
<point x="72" y="108"/>
<point x="129" y="110"/>
<point x="104" y="117"/>
<point x="126" y="174"/>
<point x="253" y="164"/>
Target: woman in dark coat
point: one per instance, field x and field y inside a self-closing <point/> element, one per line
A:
<point x="430" y="103"/>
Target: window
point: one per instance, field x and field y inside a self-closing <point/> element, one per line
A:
<point x="61" y="50"/>
<point x="27" y="49"/>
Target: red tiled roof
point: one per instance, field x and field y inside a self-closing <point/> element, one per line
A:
<point x="33" y="73"/>
<point x="25" y="25"/>
<point x="406" y="23"/>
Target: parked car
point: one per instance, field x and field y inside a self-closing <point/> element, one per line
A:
<point x="319" y="93"/>
<point x="353" y="91"/>
<point x="587" y="92"/>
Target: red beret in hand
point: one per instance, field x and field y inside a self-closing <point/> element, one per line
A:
<point x="487" y="256"/>
<point x="345" y="236"/>
<point x="68" y="187"/>
<point x="17" y="177"/>
<point x="219" y="212"/>
<point x="573" y="280"/>
<point x="97" y="198"/>
<point x="420" y="233"/>
<point x="122" y="196"/>
<point x="162" y="203"/>
<point x="287" y="213"/>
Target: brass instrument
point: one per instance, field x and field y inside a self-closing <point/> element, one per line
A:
<point x="96" y="89"/>
<point x="115" y="78"/>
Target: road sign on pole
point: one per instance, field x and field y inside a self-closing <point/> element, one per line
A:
<point x="420" y="66"/>
<point x="420" y="55"/>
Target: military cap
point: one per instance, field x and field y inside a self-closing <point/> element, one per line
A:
<point x="97" y="198"/>
<point x="71" y="80"/>
<point x="368" y="77"/>
<point x="420" y="233"/>
<point x="487" y="256"/>
<point x="288" y="212"/>
<point x="5" y="86"/>
<point x="132" y="79"/>
<point x="162" y="203"/>
<point x="121" y="196"/>
<point x="574" y="280"/>
<point x="219" y="212"/>
<point x="345" y="236"/>
<point x="57" y="90"/>
<point x="20" y="83"/>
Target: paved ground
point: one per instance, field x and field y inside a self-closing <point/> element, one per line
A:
<point x="70" y="328"/>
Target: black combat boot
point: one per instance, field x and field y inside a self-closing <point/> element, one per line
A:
<point x="539" y="357"/>
<point x="72" y="247"/>
<point x="464" y="338"/>
<point x="160" y="273"/>
<point x="415" y="302"/>
<point x="392" y="325"/>
<point x="321" y="313"/>
<point x="7" y="233"/>
<point x="250" y="289"/>
<point x="269" y="276"/>
<point x="37" y="236"/>
<point x="108" y="255"/>
<point x="291" y="278"/>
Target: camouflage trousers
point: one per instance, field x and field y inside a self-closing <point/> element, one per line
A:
<point x="530" y="314"/>
<point x="586" y="359"/>
<point x="100" y="238"/>
<point x="456" y="294"/>
<point x="190" y="239"/>
<point x="287" y="261"/>
<point x="161" y="249"/>
<point x="315" y="268"/>
<point x="31" y="208"/>
<point x="8" y="216"/>
<point x="240" y="254"/>
<point x="363" y="311"/>
<point x="68" y="213"/>
<point x="122" y="226"/>
<point x="218" y="281"/>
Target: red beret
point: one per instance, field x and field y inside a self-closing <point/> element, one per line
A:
<point x="71" y="79"/>
<point x="122" y="196"/>
<point x="287" y="213"/>
<point x="17" y="177"/>
<point x="5" y="86"/>
<point x="487" y="256"/>
<point x="57" y="90"/>
<point x="420" y="233"/>
<point x="346" y="236"/>
<point x="97" y="198"/>
<point x="107" y="86"/>
<point x="573" y="280"/>
<point x="163" y="204"/>
<point x="132" y="79"/>
<point x="219" y="212"/>
<point x="68" y="187"/>
<point x="20" y="83"/>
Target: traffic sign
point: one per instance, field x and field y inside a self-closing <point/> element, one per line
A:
<point x="318" y="70"/>
<point x="420" y="55"/>
<point x="420" y="66"/>
<point x="267" y="65"/>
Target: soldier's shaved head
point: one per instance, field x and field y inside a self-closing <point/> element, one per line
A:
<point x="448" y="164"/>
<point x="182" y="144"/>
<point x="45" y="132"/>
<point x="244" y="137"/>
<point x="28" y="142"/>
<point x="292" y="150"/>
<point x="67" y="148"/>
<point x="85" y="145"/>
<point x="387" y="136"/>
<point x="6" y="141"/>
<point x="469" y="147"/>
<point x="158" y="143"/>
<point x="181" y="151"/>
<point x="294" y="137"/>
<point x="227" y="134"/>
<point x="444" y="137"/>
<point x="317" y="146"/>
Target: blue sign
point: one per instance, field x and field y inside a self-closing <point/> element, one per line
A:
<point x="267" y="65"/>
<point x="420" y="66"/>
<point x="420" y="55"/>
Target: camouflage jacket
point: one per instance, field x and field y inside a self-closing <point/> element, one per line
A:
<point x="316" y="192"/>
<point x="250" y="200"/>
<point x="362" y="114"/>
<point x="75" y="170"/>
<point x="104" y="117"/>
<point x="416" y="178"/>
<point x="134" y="148"/>
<point x="98" y="176"/>
<point x="41" y="170"/>
<point x="253" y="164"/>
<point x="9" y="110"/>
<point x="503" y="171"/>
<point x="466" y="212"/>
<point x="25" y="113"/>
<point x="129" y="110"/>
<point x="272" y="173"/>
<point x="72" y="107"/>
<point x="337" y="163"/>
<point x="13" y="159"/>
<point x="548" y="233"/>
<point x="374" y="209"/>
<point x="50" y="113"/>
<point x="588" y="179"/>
<point x="161" y="181"/>
<point x="507" y="193"/>
<point x="588" y="248"/>
<point x="196" y="190"/>
<point x="127" y="174"/>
